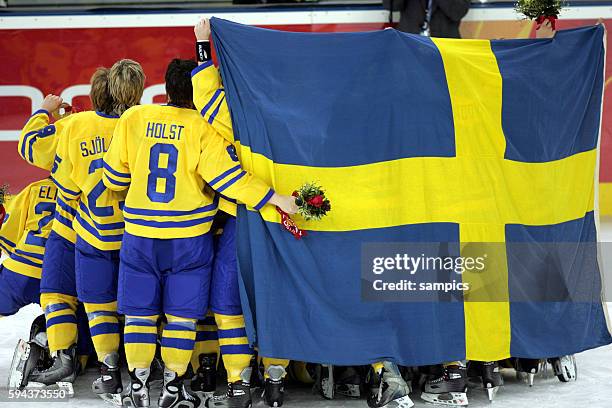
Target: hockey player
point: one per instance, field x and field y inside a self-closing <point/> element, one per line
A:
<point x="99" y="220"/>
<point x="37" y="145"/>
<point x="23" y="236"/>
<point x="162" y="156"/>
<point x="209" y="99"/>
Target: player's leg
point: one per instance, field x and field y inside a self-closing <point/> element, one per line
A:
<point x="275" y="370"/>
<point x="59" y="302"/>
<point x="16" y="291"/>
<point x="225" y="303"/>
<point x="447" y="385"/>
<point x="205" y="357"/>
<point x="139" y="299"/>
<point x="97" y="273"/>
<point x="488" y="374"/>
<point x="390" y="388"/>
<point x="186" y="286"/>
<point x="58" y="292"/>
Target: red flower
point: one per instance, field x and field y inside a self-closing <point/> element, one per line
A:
<point x="295" y="194"/>
<point x="316" y="201"/>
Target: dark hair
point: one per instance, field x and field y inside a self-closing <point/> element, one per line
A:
<point x="178" y="82"/>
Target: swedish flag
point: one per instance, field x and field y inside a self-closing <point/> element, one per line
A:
<point x="420" y="140"/>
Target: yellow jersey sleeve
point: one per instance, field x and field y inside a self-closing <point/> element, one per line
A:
<point x="14" y="220"/>
<point x="117" y="175"/>
<point x="62" y="169"/>
<point x="38" y="139"/>
<point x="209" y="99"/>
<point x="220" y="168"/>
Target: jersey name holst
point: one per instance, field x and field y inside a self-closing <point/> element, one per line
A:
<point x="93" y="147"/>
<point x="164" y="131"/>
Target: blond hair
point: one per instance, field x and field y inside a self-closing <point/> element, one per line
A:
<point x="126" y="83"/>
<point x="100" y="96"/>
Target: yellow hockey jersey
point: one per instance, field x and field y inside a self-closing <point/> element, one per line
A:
<point x="27" y="225"/>
<point x="37" y="145"/>
<point x="78" y="175"/>
<point x="209" y="100"/>
<point x="164" y="155"/>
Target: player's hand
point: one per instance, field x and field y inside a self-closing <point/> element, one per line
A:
<point x="202" y="30"/>
<point x="285" y="203"/>
<point x="545" y="30"/>
<point x="63" y="111"/>
<point x="51" y="103"/>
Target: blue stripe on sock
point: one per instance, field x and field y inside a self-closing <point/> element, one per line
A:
<point x="231" y="333"/>
<point x="181" y="344"/>
<point x="144" y="338"/>
<point x="61" y="319"/>
<point x="104" y="328"/>
<point x="236" y="349"/>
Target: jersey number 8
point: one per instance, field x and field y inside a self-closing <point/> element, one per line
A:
<point x="164" y="173"/>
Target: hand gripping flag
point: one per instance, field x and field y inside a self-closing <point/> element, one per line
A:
<point x="484" y="147"/>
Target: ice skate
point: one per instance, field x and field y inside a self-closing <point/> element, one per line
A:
<point x="448" y="389"/>
<point x="238" y="394"/>
<point x="392" y="390"/>
<point x="108" y="386"/>
<point x="526" y="368"/>
<point x="137" y="395"/>
<point x="488" y="374"/>
<point x="174" y="394"/>
<point x="274" y="386"/>
<point x="62" y="372"/>
<point x="28" y="356"/>
<point x="565" y="368"/>
<point x="324" y="384"/>
<point x="349" y="382"/>
<point x="204" y="382"/>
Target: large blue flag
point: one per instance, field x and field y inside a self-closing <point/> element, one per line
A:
<point x="433" y="148"/>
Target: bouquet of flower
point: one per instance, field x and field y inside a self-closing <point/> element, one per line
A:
<point x="4" y="194"/>
<point x="310" y="198"/>
<point x="312" y="205"/>
<point x="540" y="10"/>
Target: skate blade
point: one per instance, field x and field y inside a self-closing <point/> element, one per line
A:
<point x="402" y="402"/>
<point x="115" y="399"/>
<point x="60" y="385"/>
<point x="530" y="379"/>
<point x="491" y="393"/>
<point x="20" y="356"/>
<point x="455" y="399"/>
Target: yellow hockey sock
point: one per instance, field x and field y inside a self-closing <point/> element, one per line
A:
<point x="60" y="314"/>
<point x="207" y="340"/>
<point x="234" y="345"/>
<point x="178" y="340"/>
<point x="104" y="327"/>
<point x="140" y="340"/>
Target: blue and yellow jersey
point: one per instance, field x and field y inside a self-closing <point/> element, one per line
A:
<point x="78" y="175"/>
<point x="209" y="100"/>
<point x="26" y="226"/>
<point x="37" y="145"/>
<point x="165" y="155"/>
